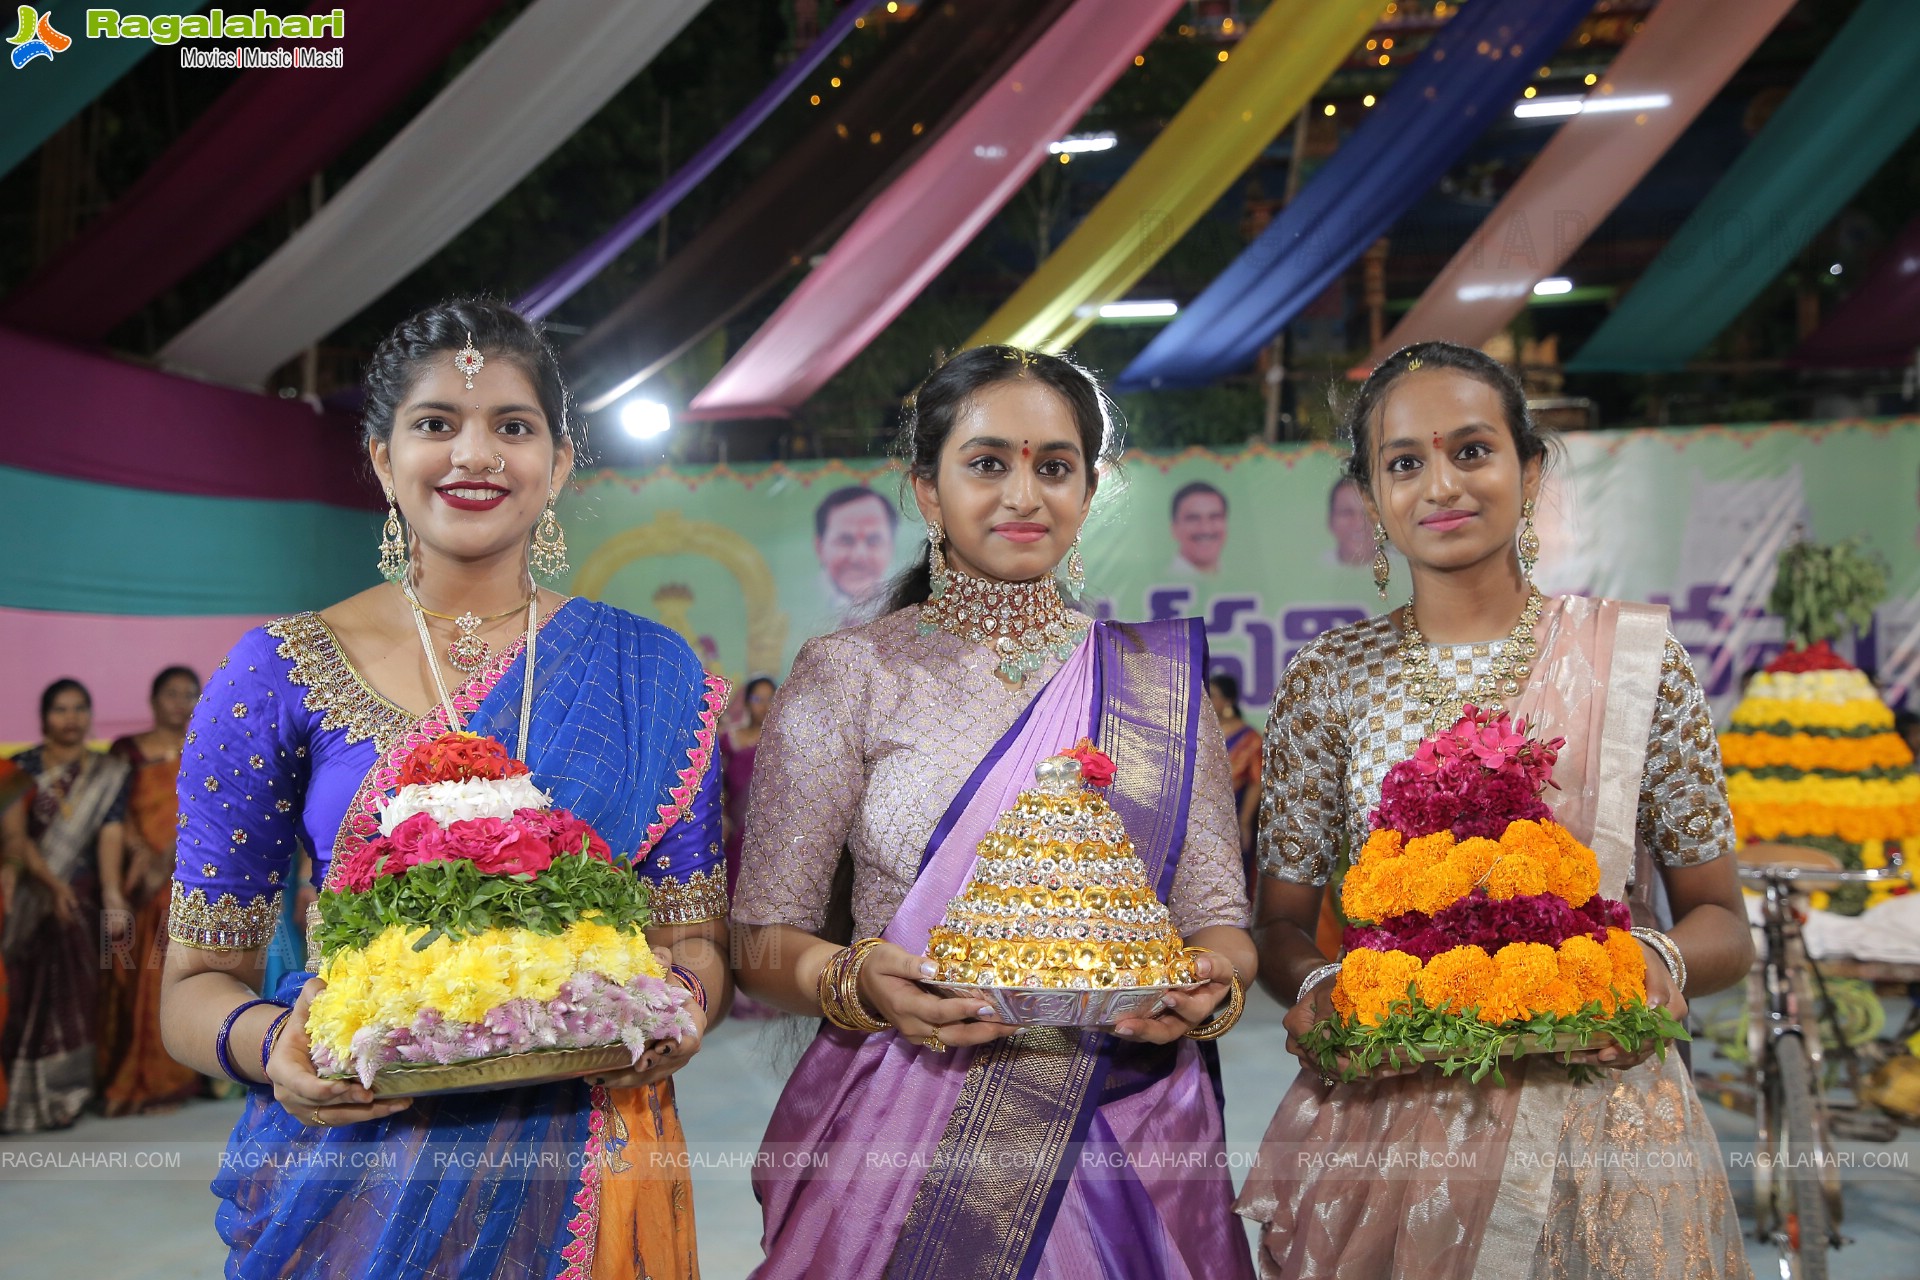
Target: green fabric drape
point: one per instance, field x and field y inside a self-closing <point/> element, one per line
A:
<point x="1848" y="113"/>
<point x="38" y="98"/>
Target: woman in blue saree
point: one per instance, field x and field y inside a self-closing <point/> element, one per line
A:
<point x="937" y="1145"/>
<point x="298" y="738"/>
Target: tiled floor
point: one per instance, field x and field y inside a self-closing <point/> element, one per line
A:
<point x="144" y="1224"/>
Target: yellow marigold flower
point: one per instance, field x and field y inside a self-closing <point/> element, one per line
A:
<point x="1629" y="965"/>
<point x="1522" y="971"/>
<point x="1431" y="848"/>
<point x="1475" y="856"/>
<point x="1575" y="876"/>
<point x="1586" y="966"/>
<point x="1516" y="875"/>
<point x="1381" y="845"/>
<point x="1378" y="978"/>
<point x="1562" y="998"/>
<point x="1442" y="886"/>
<point x="1454" y="980"/>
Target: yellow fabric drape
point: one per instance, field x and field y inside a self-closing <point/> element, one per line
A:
<point x="1287" y="54"/>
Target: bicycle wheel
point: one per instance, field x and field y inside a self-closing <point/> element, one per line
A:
<point x="1800" y="1202"/>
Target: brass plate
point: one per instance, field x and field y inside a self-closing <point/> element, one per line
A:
<point x="505" y="1071"/>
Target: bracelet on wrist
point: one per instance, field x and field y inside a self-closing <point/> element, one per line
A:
<point x="223" y="1039"/>
<point x="1313" y="979"/>
<point x="1222" y="1021"/>
<point x="273" y="1033"/>
<point x="691" y="981"/>
<point x="1669" y="952"/>
<point x="839" y="990"/>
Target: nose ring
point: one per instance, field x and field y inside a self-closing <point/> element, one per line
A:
<point x="499" y="465"/>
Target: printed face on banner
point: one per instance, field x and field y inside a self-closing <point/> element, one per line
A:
<point x="853" y="539"/>
<point x="1199" y="528"/>
<point x="1347" y="522"/>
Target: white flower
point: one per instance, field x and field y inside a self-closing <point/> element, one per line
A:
<point x="450" y="802"/>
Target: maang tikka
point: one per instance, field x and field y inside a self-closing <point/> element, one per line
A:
<point x="468" y="360"/>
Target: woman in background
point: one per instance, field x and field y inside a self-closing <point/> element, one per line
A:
<point x="737" y="746"/>
<point x="137" y="1074"/>
<point x="1243" y="760"/>
<point x="65" y="836"/>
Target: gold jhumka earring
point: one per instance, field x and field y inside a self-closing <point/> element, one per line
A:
<point x="1076" y="570"/>
<point x="936" y="562"/>
<point x="549" y="554"/>
<point x="1382" y="567"/>
<point x="1529" y="541"/>
<point x="393" y="544"/>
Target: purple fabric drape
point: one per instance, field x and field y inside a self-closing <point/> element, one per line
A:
<point x="945" y="59"/>
<point x="91" y="417"/>
<point x="1879" y="326"/>
<point x="540" y="300"/>
<point x="259" y="143"/>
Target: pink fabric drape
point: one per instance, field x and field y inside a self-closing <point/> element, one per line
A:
<point x="928" y="215"/>
<point x="115" y="657"/>
<point x="1687" y="50"/>
<point x="90" y="417"/>
<point x="259" y="143"/>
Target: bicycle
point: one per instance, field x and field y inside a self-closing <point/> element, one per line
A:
<point x="1799" y="1211"/>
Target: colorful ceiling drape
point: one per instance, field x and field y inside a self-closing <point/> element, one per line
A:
<point x="1463" y="81"/>
<point x="904" y="238"/>
<point x="1290" y="51"/>
<point x="1878" y="327"/>
<point x="539" y="301"/>
<point x="47" y="92"/>
<point x="946" y="57"/>
<point x="1845" y="117"/>
<point x="84" y="416"/>
<point x="1687" y="51"/>
<point x="523" y="96"/>
<point x="262" y="140"/>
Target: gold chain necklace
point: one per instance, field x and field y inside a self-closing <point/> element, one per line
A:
<point x="1024" y="623"/>
<point x="454" y="721"/>
<point x="466" y="651"/>
<point x="1439" y="696"/>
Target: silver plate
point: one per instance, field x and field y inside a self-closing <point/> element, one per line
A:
<point x="1061" y="1007"/>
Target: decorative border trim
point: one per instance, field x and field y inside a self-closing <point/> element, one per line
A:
<point x="334" y="687"/>
<point x="222" y="925"/>
<point x="585" y="1225"/>
<point x="699" y="758"/>
<point x="701" y="896"/>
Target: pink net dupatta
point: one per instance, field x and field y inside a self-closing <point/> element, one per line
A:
<point x="1433" y="1177"/>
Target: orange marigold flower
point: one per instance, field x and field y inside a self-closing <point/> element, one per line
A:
<point x="1587" y="967"/>
<point x="1455" y="980"/>
<point x="1384" y="971"/>
<point x="1381" y="845"/>
<point x="1441" y="886"/>
<point x="1522" y="972"/>
<point x="1431" y="848"/>
<point x="1515" y="875"/>
<point x="1562" y="998"/>
<point x="1475" y="856"/>
<point x="1629" y="964"/>
<point x="1373" y="891"/>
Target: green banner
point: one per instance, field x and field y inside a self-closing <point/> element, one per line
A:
<point x="1269" y="548"/>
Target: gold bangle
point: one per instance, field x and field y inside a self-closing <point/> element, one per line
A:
<point x="839" y="990"/>
<point x="1222" y="1022"/>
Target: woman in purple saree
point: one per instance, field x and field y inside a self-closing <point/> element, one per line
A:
<point x="942" y="1144"/>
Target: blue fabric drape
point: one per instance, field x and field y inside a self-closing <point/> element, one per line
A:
<point x="1460" y="83"/>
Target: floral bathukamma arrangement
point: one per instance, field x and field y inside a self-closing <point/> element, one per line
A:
<point x="483" y="929"/>
<point x="1058" y="924"/>
<point x="1477" y="928"/>
<point x="1811" y="754"/>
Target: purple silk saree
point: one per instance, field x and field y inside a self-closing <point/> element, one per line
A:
<point x="1055" y="1155"/>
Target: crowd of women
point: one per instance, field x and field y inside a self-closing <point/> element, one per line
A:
<point x="858" y="791"/>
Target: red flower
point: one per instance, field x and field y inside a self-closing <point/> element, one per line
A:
<point x="1096" y="766"/>
<point x="1818" y="656"/>
<point x="455" y="757"/>
<point x="419" y="839"/>
<point x="360" y="866"/>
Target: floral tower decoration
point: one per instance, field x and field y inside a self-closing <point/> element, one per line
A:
<point x="484" y="938"/>
<point x="1811" y="754"/>
<point x="1058" y="923"/>
<point x="1476" y="929"/>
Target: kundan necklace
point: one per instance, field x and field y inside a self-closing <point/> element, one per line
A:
<point x="454" y="722"/>
<point x="1024" y="623"/>
<point x="467" y="650"/>
<point x="1439" y="696"/>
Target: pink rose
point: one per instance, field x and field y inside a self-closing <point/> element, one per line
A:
<point x="571" y="836"/>
<point x="359" y="866"/>
<point x="418" y="840"/>
<point x="501" y="848"/>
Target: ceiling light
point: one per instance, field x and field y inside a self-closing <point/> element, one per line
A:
<point x="645" y="419"/>
<point x="1083" y="142"/>
<point x="1552" y="285"/>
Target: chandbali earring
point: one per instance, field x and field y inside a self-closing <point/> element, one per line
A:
<point x="393" y="544"/>
<point x="1529" y="541"/>
<point x="1382" y="567"/>
<point x="1076" y="581"/>
<point x="549" y="555"/>
<point x="936" y="561"/>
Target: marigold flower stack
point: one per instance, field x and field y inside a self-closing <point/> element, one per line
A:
<point x="1811" y="754"/>
<point x="1477" y="929"/>
<point x="482" y="922"/>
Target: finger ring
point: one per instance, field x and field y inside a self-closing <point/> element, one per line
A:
<point x="934" y="1042"/>
<point x="1327" y="1082"/>
<point x="318" y="1123"/>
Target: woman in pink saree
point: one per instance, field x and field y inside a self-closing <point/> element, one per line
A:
<point x="1413" y="1173"/>
<point x="934" y="1143"/>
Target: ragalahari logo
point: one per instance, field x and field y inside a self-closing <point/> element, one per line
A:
<point x="37" y="38"/>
